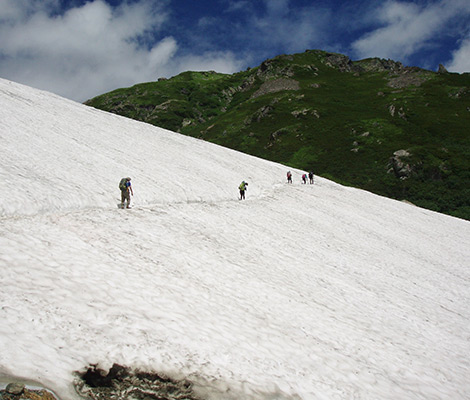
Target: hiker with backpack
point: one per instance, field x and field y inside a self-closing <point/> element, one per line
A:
<point x="242" y="188"/>
<point x="126" y="191"/>
<point x="304" y="178"/>
<point x="289" y="177"/>
<point x="310" y="177"/>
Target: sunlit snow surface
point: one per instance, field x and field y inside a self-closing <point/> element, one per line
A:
<point x="300" y="292"/>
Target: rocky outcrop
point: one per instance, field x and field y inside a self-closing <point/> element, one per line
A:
<point x="276" y="85"/>
<point x="401" y="112"/>
<point x="270" y="69"/>
<point x="380" y="65"/>
<point x="442" y="70"/>
<point x="263" y="112"/>
<point x="339" y="61"/>
<point x="407" y="78"/>
<point x="304" y="112"/>
<point x="247" y="84"/>
<point x="276" y="137"/>
<point x="399" y="75"/>
<point x="19" y="391"/>
<point x="123" y="383"/>
<point x="399" y="164"/>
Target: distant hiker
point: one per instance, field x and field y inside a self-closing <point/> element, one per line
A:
<point x="289" y="177"/>
<point x="304" y="179"/>
<point x="243" y="187"/>
<point x="126" y="191"/>
<point x="310" y="177"/>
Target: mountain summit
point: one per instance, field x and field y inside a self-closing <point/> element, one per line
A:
<point x="299" y="292"/>
<point x="322" y="111"/>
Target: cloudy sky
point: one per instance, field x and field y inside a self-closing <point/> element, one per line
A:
<point x="82" y="48"/>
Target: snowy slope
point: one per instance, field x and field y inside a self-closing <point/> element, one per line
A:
<point x="299" y="292"/>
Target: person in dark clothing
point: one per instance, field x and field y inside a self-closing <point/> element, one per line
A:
<point x="310" y="177"/>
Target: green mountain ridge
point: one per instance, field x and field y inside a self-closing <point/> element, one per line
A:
<point x="402" y="132"/>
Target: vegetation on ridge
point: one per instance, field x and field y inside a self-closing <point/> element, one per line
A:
<point x="402" y="132"/>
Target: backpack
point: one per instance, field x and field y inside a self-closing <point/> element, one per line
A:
<point x="122" y="184"/>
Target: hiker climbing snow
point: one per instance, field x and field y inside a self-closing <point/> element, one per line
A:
<point x="310" y="177"/>
<point x="289" y="177"/>
<point x="126" y="192"/>
<point x="243" y="187"/>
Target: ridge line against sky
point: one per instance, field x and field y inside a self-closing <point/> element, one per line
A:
<point x="83" y="48"/>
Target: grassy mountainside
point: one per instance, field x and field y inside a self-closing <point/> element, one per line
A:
<point x="397" y="131"/>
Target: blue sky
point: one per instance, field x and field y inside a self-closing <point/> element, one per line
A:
<point x="82" y="48"/>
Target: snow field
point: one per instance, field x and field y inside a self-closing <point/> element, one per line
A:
<point x="299" y="292"/>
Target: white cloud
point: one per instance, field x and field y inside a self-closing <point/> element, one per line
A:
<point x="285" y="27"/>
<point x="406" y="27"/>
<point x="83" y="52"/>
<point x="91" y="49"/>
<point x="461" y="58"/>
<point x="12" y="10"/>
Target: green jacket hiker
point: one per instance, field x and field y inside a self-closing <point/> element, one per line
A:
<point x="242" y="188"/>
